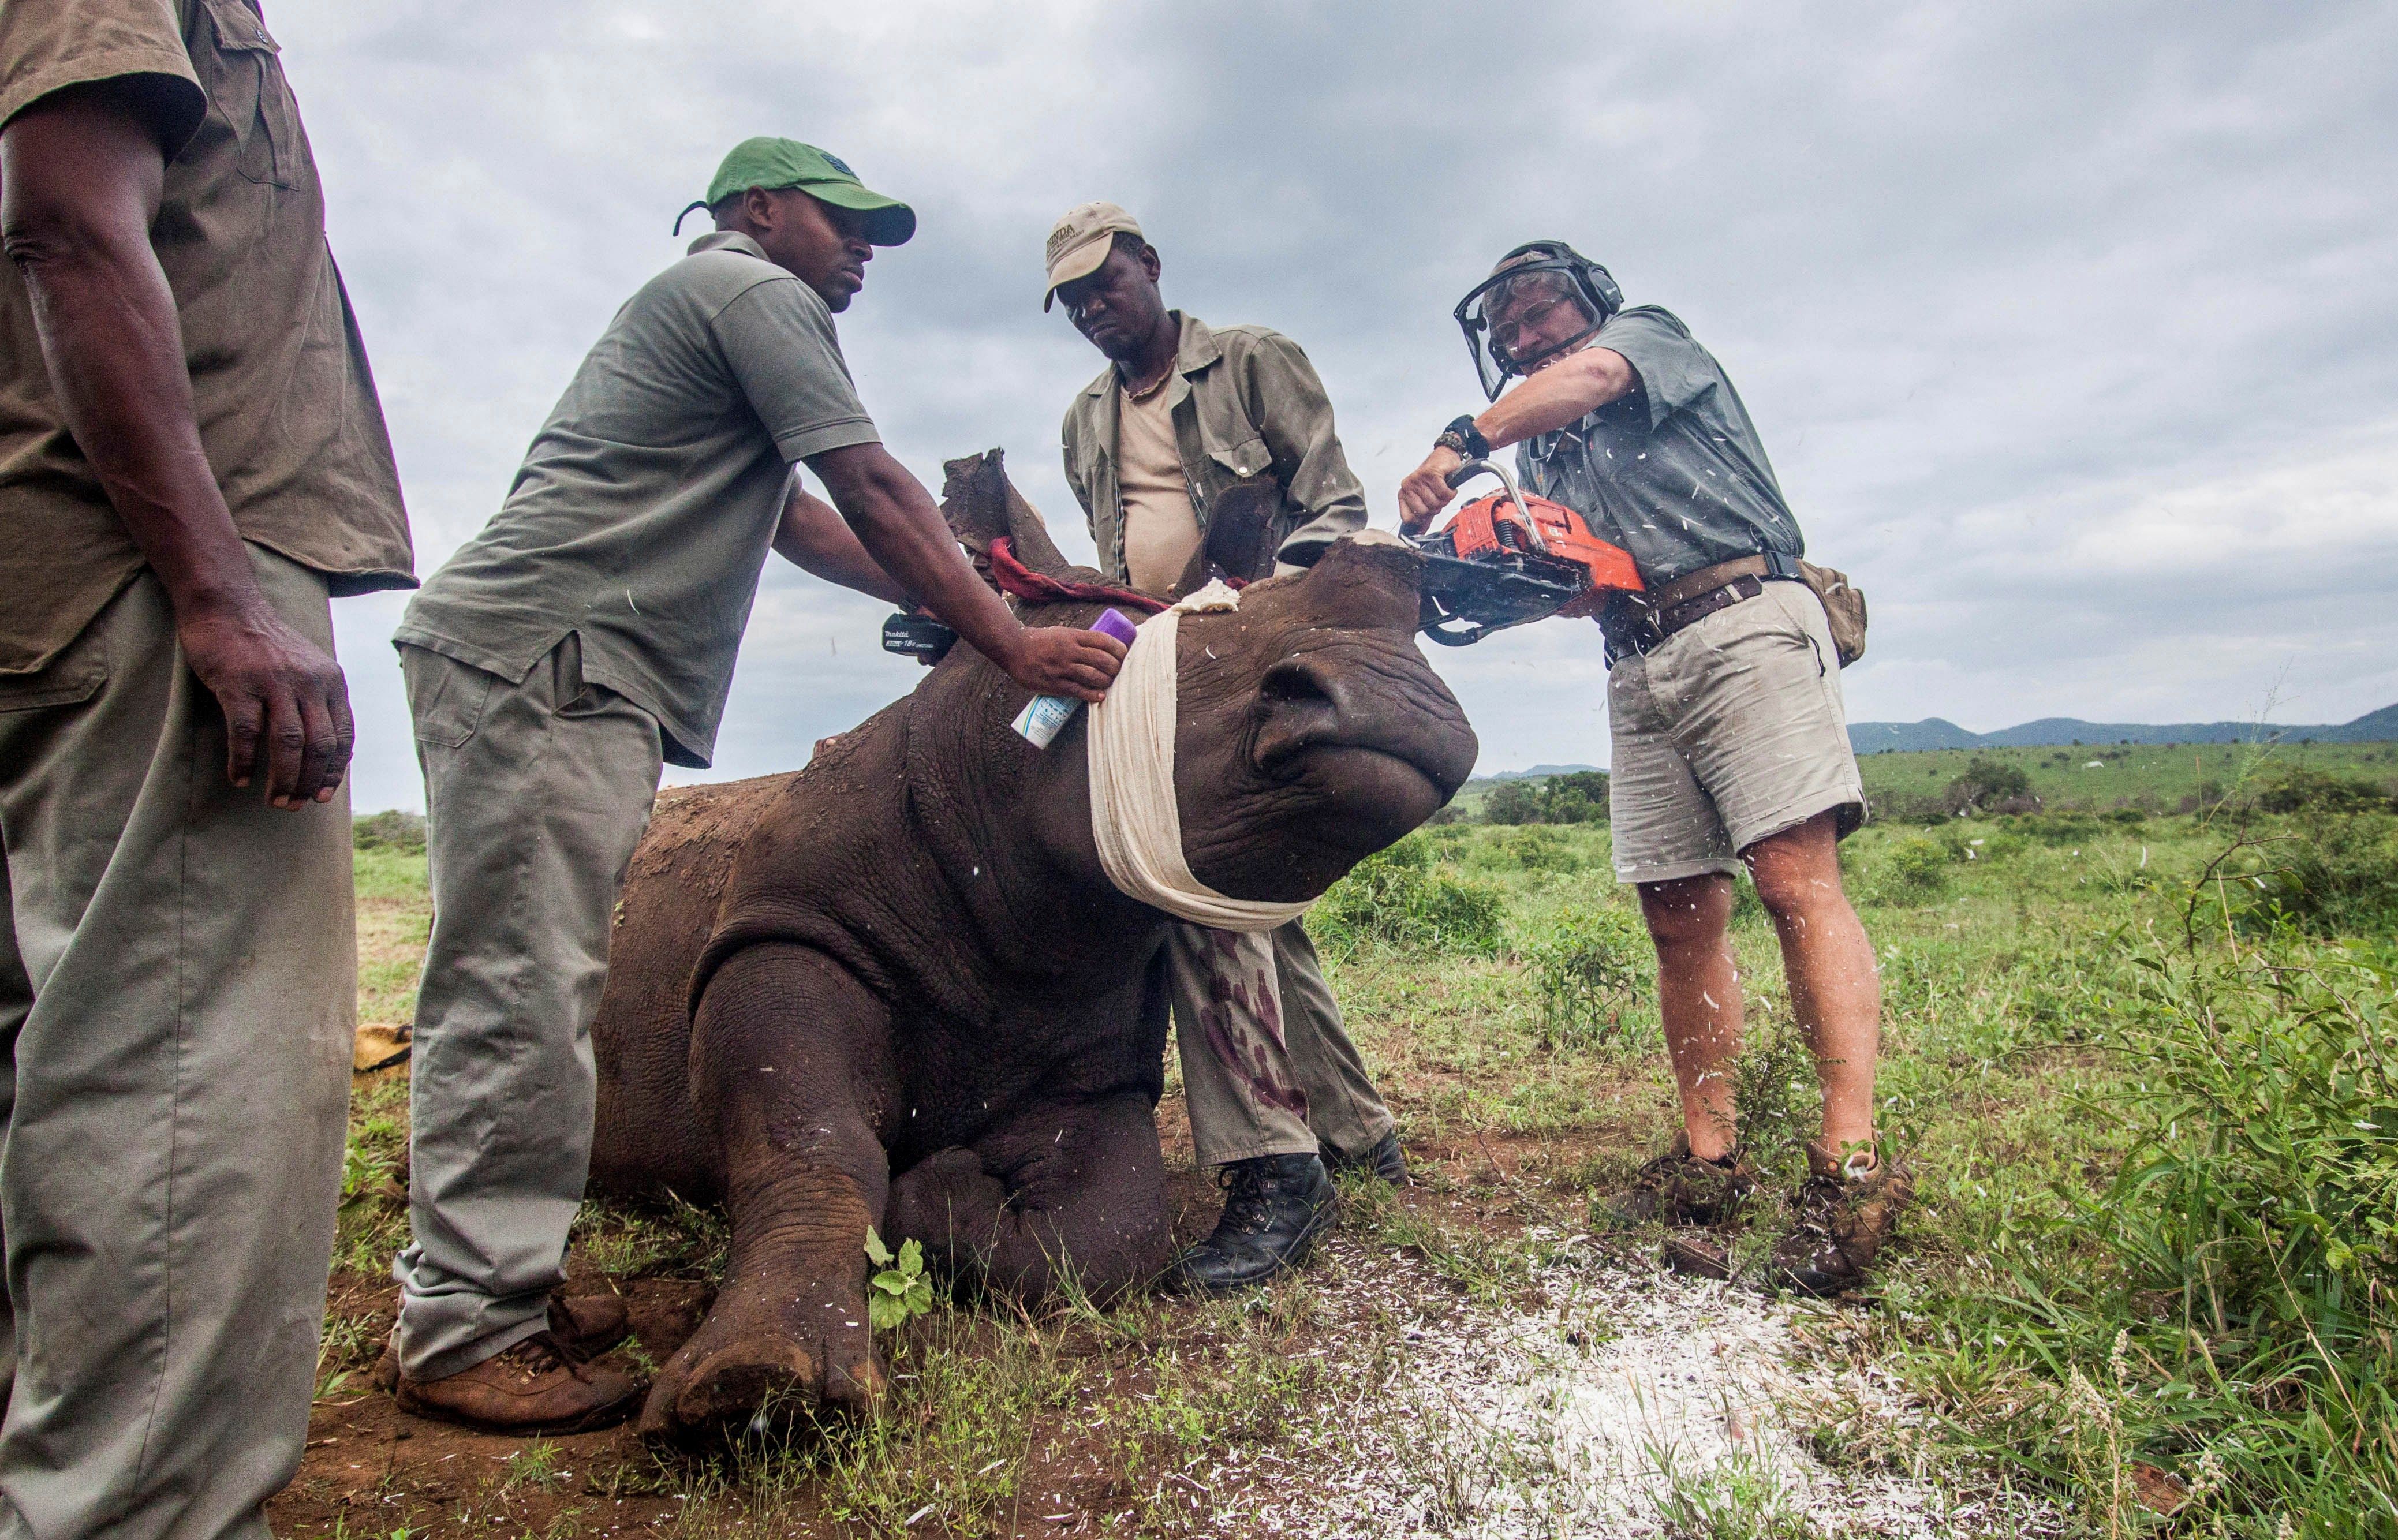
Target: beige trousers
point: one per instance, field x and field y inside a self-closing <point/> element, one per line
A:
<point x="1267" y="1067"/>
<point x="178" y="982"/>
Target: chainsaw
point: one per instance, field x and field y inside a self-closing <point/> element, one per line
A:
<point x="1507" y="560"/>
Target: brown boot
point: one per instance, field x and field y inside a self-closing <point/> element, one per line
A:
<point x="1846" y="1211"/>
<point x="584" y="1329"/>
<point x="1690" y="1194"/>
<point x="532" y="1387"/>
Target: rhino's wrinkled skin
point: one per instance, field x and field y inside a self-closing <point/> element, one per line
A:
<point x="896" y="986"/>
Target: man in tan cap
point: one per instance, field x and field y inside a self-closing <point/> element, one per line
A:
<point x="1181" y="413"/>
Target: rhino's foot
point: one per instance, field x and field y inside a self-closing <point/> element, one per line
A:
<point x="771" y="1354"/>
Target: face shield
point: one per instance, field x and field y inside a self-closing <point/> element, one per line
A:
<point x="1532" y="310"/>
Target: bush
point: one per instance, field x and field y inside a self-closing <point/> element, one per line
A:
<point x="1398" y="898"/>
<point x="1985" y="783"/>
<point x="2303" y="791"/>
<point x="2335" y="876"/>
<point x="1917" y="867"/>
<point x="1537" y="849"/>
<point x="390" y="829"/>
<point x="1588" y="966"/>
<point x="1575" y="796"/>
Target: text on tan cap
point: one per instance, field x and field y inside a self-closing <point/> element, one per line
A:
<point x="1080" y="242"/>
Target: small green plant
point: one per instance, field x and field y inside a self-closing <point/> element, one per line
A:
<point x="1588" y="966"/>
<point x="536" y="1465"/>
<point x="898" y="1292"/>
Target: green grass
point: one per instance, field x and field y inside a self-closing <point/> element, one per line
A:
<point x="2150" y="1102"/>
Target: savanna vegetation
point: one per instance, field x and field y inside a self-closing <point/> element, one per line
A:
<point x="2143" y="1052"/>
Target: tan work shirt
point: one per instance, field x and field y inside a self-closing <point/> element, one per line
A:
<point x="1161" y="529"/>
<point x="1245" y="402"/>
<point x="286" y="405"/>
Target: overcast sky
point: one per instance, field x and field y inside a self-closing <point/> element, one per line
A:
<point x="2071" y="329"/>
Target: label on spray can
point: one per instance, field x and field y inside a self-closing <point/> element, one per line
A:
<point x="1045" y="717"/>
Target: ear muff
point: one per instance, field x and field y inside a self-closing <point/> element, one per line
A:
<point x="1596" y="286"/>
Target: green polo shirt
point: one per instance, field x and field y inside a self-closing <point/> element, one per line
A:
<point x="1674" y="472"/>
<point x="644" y="510"/>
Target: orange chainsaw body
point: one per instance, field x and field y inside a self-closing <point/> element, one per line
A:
<point x="1489" y="529"/>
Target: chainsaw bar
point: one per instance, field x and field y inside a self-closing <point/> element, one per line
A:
<point x="1464" y="602"/>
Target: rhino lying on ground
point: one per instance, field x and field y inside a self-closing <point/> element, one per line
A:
<point x="897" y="989"/>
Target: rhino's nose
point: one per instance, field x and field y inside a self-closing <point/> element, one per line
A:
<point x="1303" y="704"/>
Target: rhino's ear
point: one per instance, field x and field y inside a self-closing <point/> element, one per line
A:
<point x="1240" y="537"/>
<point x="981" y="502"/>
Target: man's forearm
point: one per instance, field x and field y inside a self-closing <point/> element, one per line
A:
<point x="1558" y="397"/>
<point x="79" y="185"/>
<point x="813" y="537"/>
<point x="901" y="530"/>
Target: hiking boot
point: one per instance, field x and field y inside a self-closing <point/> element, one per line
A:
<point x="1846" y="1211"/>
<point x="1679" y="1188"/>
<point x="1385" y="1160"/>
<point x="531" y="1386"/>
<point x="584" y="1329"/>
<point x="1689" y="1193"/>
<point x="1274" y="1206"/>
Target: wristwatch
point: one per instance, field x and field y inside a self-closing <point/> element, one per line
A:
<point x="1464" y="438"/>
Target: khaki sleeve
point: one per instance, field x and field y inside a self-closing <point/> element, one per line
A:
<point x="1287" y="401"/>
<point x="778" y="337"/>
<point x="47" y="46"/>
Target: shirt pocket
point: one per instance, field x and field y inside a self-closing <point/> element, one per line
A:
<point x="1249" y="457"/>
<point x="247" y="91"/>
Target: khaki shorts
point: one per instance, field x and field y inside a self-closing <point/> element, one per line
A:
<point x="1729" y="733"/>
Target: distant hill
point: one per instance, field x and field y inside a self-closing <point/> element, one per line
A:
<point x="1535" y="772"/>
<point x="1881" y="737"/>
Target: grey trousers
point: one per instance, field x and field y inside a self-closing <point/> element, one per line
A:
<point x="1267" y="1067"/>
<point x="535" y="795"/>
<point x="177" y="984"/>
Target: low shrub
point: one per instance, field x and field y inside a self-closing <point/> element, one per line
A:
<point x="1537" y="849"/>
<point x="1399" y="897"/>
<point x="2304" y="791"/>
<point x="1985" y="783"/>
<point x="390" y="829"/>
<point x="1917" y="867"/>
<point x="1588" y="967"/>
<point x="2331" y="876"/>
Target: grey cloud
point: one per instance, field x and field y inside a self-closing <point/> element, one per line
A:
<point x="1998" y="283"/>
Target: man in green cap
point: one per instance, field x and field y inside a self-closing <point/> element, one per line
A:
<point x="586" y="635"/>
<point x="1183" y="412"/>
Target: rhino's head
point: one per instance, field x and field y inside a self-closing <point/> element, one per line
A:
<point x="1311" y="732"/>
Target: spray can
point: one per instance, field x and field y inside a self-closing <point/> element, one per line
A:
<point x="1045" y="717"/>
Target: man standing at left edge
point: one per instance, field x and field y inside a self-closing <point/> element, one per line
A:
<point x="192" y="460"/>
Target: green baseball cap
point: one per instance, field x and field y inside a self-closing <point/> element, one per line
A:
<point x="775" y="164"/>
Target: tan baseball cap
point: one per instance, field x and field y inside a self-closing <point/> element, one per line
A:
<point x="1080" y="242"/>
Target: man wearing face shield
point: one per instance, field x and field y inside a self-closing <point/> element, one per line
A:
<point x="1183" y="412"/>
<point x="1729" y="743"/>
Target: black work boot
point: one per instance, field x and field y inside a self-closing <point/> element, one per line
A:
<point x="1384" y="1160"/>
<point x="1274" y="1206"/>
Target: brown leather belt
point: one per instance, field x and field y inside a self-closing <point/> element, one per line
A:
<point x="1640" y="623"/>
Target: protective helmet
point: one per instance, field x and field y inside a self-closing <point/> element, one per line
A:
<point x="1513" y="321"/>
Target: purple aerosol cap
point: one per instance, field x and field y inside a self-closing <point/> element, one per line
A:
<point x="1113" y="623"/>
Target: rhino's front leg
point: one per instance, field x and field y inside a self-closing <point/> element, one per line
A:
<point x="1073" y="1190"/>
<point x="791" y="1076"/>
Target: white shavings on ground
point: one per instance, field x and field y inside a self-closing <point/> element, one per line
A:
<point x="1634" y="1402"/>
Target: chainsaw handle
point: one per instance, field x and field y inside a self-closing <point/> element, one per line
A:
<point x="1473" y="468"/>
